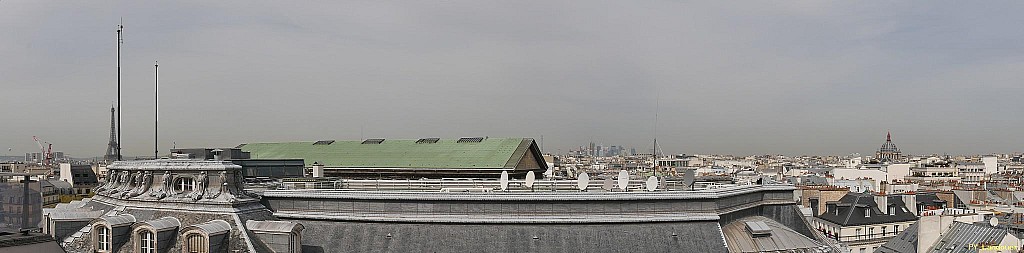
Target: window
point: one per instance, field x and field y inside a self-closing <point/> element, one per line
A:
<point x="867" y="212"/>
<point x="871" y="232"/>
<point x="470" y="140"/>
<point x="148" y="243"/>
<point x="184" y="184"/>
<point x="883" y="230"/>
<point x="196" y="243"/>
<point x="373" y="141"/>
<point x="324" y="142"/>
<point x="428" y="140"/>
<point x="860" y="235"/>
<point x="895" y="229"/>
<point x="104" y="239"/>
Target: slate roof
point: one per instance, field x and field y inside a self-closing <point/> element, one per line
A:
<point x="273" y="226"/>
<point x="321" y="236"/>
<point x="445" y="153"/>
<point x="31" y="243"/>
<point x="163" y="224"/>
<point x="929" y="199"/>
<point x="782" y="238"/>
<point x="964" y="196"/>
<point x="59" y="184"/>
<point x="1018" y="196"/>
<point x="118" y="219"/>
<point x="851" y="211"/>
<point x="961" y="236"/>
<point x="214" y="227"/>
<point x="905" y="242"/>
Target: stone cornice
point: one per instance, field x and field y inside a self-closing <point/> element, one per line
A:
<point x="527" y="196"/>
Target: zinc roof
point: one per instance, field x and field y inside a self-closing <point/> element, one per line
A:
<point x="445" y="153"/>
<point x="781" y="238"/>
<point x="905" y="242"/>
<point x="963" y="237"/>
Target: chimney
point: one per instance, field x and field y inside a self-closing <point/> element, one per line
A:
<point x="318" y="169"/>
<point x="883" y="203"/>
<point x="910" y="200"/>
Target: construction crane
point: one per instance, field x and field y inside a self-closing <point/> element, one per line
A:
<point x="45" y="155"/>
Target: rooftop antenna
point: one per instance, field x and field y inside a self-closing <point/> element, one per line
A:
<point x="654" y="152"/>
<point x="156" y="110"/>
<point x="542" y="143"/>
<point x="120" y="41"/>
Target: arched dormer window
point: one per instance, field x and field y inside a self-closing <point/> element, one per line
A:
<point x="196" y="243"/>
<point x="102" y="238"/>
<point x="147" y="242"/>
<point x="109" y="233"/>
<point x="206" y="238"/>
<point x="146" y="235"/>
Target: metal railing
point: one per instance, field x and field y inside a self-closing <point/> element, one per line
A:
<point x="513" y="185"/>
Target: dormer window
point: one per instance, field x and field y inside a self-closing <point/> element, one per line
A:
<point x="196" y="243"/>
<point x="148" y="242"/>
<point x="892" y="210"/>
<point x="104" y="239"/>
<point x="867" y="212"/>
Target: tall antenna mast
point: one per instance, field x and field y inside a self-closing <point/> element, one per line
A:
<point x="654" y="153"/>
<point x="119" y="42"/>
<point x="156" y="110"/>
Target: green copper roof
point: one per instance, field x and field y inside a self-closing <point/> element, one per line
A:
<point x="445" y="153"/>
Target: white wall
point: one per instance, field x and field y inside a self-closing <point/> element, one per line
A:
<point x="898" y="171"/>
<point x="991" y="164"/>
<point x="65" y="173"/>
<point x="877" y="176"/>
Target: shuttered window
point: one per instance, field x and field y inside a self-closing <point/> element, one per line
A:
<point x="197" y="244"/>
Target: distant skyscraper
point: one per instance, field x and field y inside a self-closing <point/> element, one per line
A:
<point x="889" y="151"/>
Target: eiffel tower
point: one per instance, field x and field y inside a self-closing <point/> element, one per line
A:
<point x="112" y="145"/>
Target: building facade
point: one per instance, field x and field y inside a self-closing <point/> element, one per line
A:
<point x="863" y="222"/>
<point x="175" y="205"/>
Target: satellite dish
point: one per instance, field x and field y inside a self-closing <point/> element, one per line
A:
<point x="583" y="181"/>
<point x="689" y="178"/>
<point x="652" y="183"/>
<point x="529" y="179"/>
<point x="623" y="180"/>
<point x="503" y="180"/>
<point x="994" y="222"/>
<point x="608" y="184"/>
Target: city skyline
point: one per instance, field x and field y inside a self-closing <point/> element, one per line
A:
<point x="765" y="77"/>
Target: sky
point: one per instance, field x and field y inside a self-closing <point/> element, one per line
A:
<point x="761" y="77"/>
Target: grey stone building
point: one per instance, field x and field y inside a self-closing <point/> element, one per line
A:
<point x="167" y="205"/>
<point x="201" y="206"/>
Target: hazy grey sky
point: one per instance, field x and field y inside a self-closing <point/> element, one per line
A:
<point x="789" y="77"/>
